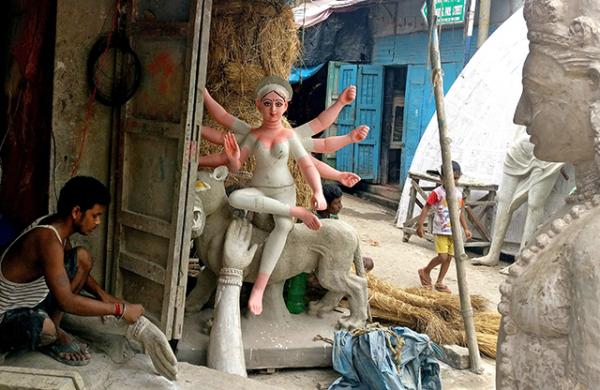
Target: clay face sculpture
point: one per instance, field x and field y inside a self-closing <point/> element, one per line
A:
<point x="549" y="332"/>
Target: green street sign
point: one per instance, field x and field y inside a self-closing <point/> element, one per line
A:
<point x="447" y="11"/>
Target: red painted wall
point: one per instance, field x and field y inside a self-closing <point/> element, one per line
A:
<point x="26" y="62"/>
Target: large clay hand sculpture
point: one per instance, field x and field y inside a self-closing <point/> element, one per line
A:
<point x="238" y="254"/>
<point x="225" y="348"/>
<point x="155" y="345"/>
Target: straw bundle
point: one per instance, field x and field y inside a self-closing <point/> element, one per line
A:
<point x="436" y="314"/>
<point x="478" y="303"/>
<point x="410" y="316"/>
<point x="443" y="309"/>
<point x="486" y="342"/>
<point x="249" y="40"/>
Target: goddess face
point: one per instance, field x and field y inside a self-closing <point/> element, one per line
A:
<point x="555" y="108"/>
<point x="272" y="107"/>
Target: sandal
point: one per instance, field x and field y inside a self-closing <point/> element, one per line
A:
<point x="425" y="279"/>
<point x="58" y="350"/>
<point x="441" y="287"/>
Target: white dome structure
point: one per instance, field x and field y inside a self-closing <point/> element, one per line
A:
<point x="479" y="111"/>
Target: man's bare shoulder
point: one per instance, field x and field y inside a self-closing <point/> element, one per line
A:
<point x="38" y="240"/>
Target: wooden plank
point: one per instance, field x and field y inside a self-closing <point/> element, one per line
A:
<point x="145" y="223"/>
<point x="140" y="266"/>
<point x="477" y="244"/>
<point x="151" y="127"/>
<point x="481" y="203"/>
<point x="411" y="207"/>
<point x="193" y="124"/>
<point x="419" y="190"/>
<point x="477" y="224"/>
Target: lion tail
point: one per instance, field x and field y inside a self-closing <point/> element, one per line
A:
<point x="359" y="266"/>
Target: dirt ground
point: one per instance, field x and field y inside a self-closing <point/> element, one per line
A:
<point x="397" y="262"/>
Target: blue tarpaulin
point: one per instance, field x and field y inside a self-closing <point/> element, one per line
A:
<point x="303" y="73"/>
<point x="367" y="363"/>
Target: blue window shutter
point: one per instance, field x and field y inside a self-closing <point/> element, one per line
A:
<point x="369" y="106"/>
<point x="344" y="160"/>
<point x="413" y="107"/>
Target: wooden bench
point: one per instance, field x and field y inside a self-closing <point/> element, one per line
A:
<point x="479" y="212"/>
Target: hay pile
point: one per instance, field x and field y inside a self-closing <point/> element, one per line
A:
<point x="248" y="41"/>
<point x="435" y="314"/>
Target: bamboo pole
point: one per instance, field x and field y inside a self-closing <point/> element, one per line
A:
<point x="448" y="180"/>
<point x="469" y="31"/>
<point x="484" y="21"/>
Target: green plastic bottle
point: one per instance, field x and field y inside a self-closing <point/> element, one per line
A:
<point x="295" y="294"/>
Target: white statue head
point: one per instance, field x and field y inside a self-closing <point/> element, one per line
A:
<point x="560" y="104"/>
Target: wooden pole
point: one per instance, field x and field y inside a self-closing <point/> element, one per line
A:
<point x="469" y="31"/>
<point x="484" y="21"/>
<point x="448" y="180"/>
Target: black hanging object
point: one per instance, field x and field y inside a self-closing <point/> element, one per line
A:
<point x="113" y="91"/>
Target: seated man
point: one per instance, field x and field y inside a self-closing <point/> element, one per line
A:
<point x="41" y="276"/>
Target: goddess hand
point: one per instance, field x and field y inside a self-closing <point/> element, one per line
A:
<point x="155" y="345"/>
<point x="348" y="95"/>
<point x="318" y="201"/>
<point x="232" y="149"/>
<point x="360" y="133"/>
<point x="349" y="179"/>
<point x="238" y="252"/>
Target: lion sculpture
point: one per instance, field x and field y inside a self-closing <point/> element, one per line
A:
<point x="329" y="252"/>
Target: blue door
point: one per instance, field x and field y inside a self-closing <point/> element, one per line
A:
<point x="419" y="107"/>
<point x="413" y="112"/>
<point x="361" y="158"/>
<point x="369" y="106"/>
<point x="344" y="159"/>
<point x="450" y="70"/>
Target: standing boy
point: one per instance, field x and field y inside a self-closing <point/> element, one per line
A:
<point x="442" y="231"/>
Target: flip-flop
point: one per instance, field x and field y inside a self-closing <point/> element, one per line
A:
<point x="425" y="281"/>
<point x="55" y="350"/>
<point x="441" y="287"/>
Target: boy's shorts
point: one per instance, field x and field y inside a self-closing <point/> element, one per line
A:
<point x="444" y="244"/>
<point x="21" y="328"/>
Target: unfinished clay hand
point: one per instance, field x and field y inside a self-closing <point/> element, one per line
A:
<point x="318" y="201"/>
<point x="155" y="345"/>
<point x="360" y="133"/>
<point x="348" y="95"/>
<point x="232" y="151"/>
<point x="308" y="218"/>
<point x="349" y="179"/>
<point x="238" y="252"/>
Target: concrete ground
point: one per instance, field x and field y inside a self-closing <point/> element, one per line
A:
<point x="115" y="366"/>
<point x="397" y="262"/>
